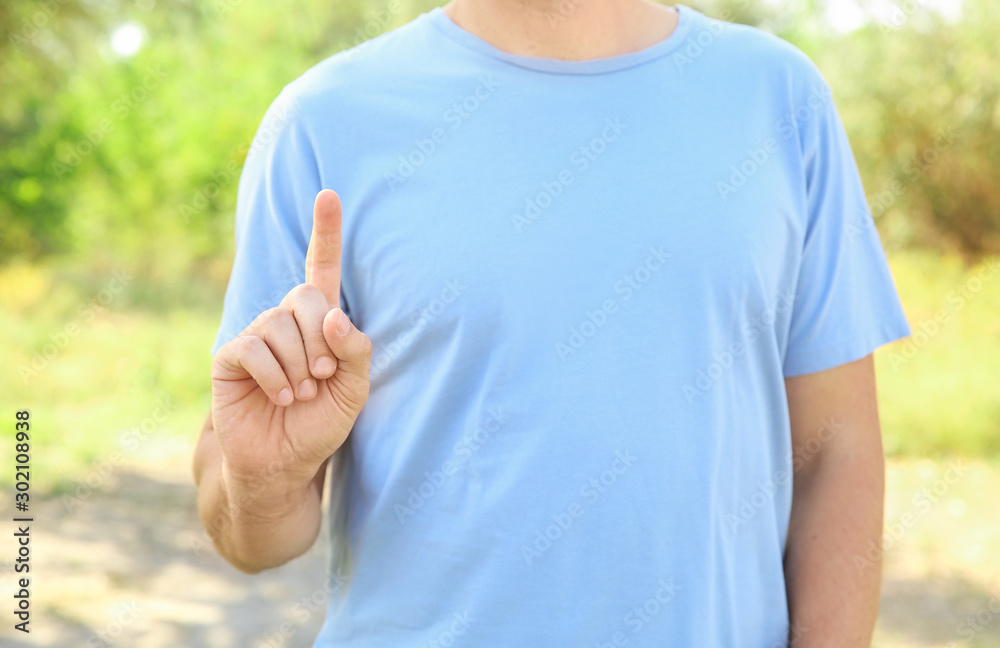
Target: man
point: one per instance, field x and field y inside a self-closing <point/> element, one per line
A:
<point x="618" y="287"/>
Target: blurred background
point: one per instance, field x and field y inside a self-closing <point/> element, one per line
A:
<point x="123" y="129"/>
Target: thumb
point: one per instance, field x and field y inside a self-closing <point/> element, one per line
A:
<point x="352" y="347"/>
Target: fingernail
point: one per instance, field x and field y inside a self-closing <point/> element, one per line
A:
<point x="324" y="366"/>
<point x="307" y="388"/>
<point x="343" y="326"/>
<point x="285" y="397"/>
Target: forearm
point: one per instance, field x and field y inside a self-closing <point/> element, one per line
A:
<point x="833" y="585"/>
<point x="256" y="523"/>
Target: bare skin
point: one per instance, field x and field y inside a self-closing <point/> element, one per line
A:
<point x="285" y="395"/>
<point x="260" y="461"/>
<point x="570" y="30"/>
<point x="837" y="506"/>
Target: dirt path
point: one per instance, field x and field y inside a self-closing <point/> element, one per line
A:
<point x="129" y="567"/>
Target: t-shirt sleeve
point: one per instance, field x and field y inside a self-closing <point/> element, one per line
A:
<point x="274" y="205"/>
<point x="846" y="305"/>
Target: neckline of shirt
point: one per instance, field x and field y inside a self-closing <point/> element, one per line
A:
<point x="685" y="16"/>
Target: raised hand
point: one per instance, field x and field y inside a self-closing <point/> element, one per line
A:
<point x="287" y="390"/>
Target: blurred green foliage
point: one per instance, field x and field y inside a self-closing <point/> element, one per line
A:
<point x="135" y="159"/>
<point x="127" y="166"/>
<point x="93" y="396"/>
<point x="921" y="103"/>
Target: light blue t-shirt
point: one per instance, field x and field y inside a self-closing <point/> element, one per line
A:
<point x="586" y="283"/>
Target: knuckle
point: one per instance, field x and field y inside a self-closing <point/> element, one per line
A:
<point x="229" y="346"/>
<point x="262" y="320"/>
<point x="247" y="343"/>
<point x="365" y="347"/>
<point x="218" y="365"/>
<point x="315" y="341"/>
<point x="303" y="291"/>
<point x="277" y="318"/>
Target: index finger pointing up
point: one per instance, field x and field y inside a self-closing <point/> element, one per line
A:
<point x="323" y="255"/>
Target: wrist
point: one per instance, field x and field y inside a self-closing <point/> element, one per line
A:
<point x="266" y="494"/>
<point x="261" y="523"/>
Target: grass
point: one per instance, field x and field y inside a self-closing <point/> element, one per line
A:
<point x="942" y="578"/>
<point x="105" y="382"/>
<point x="117" y="376"/>
<point x="938" y="390"/>
<point x="124" y="380"/>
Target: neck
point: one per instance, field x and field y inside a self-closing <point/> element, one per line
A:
<point x="571" y="30"/>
